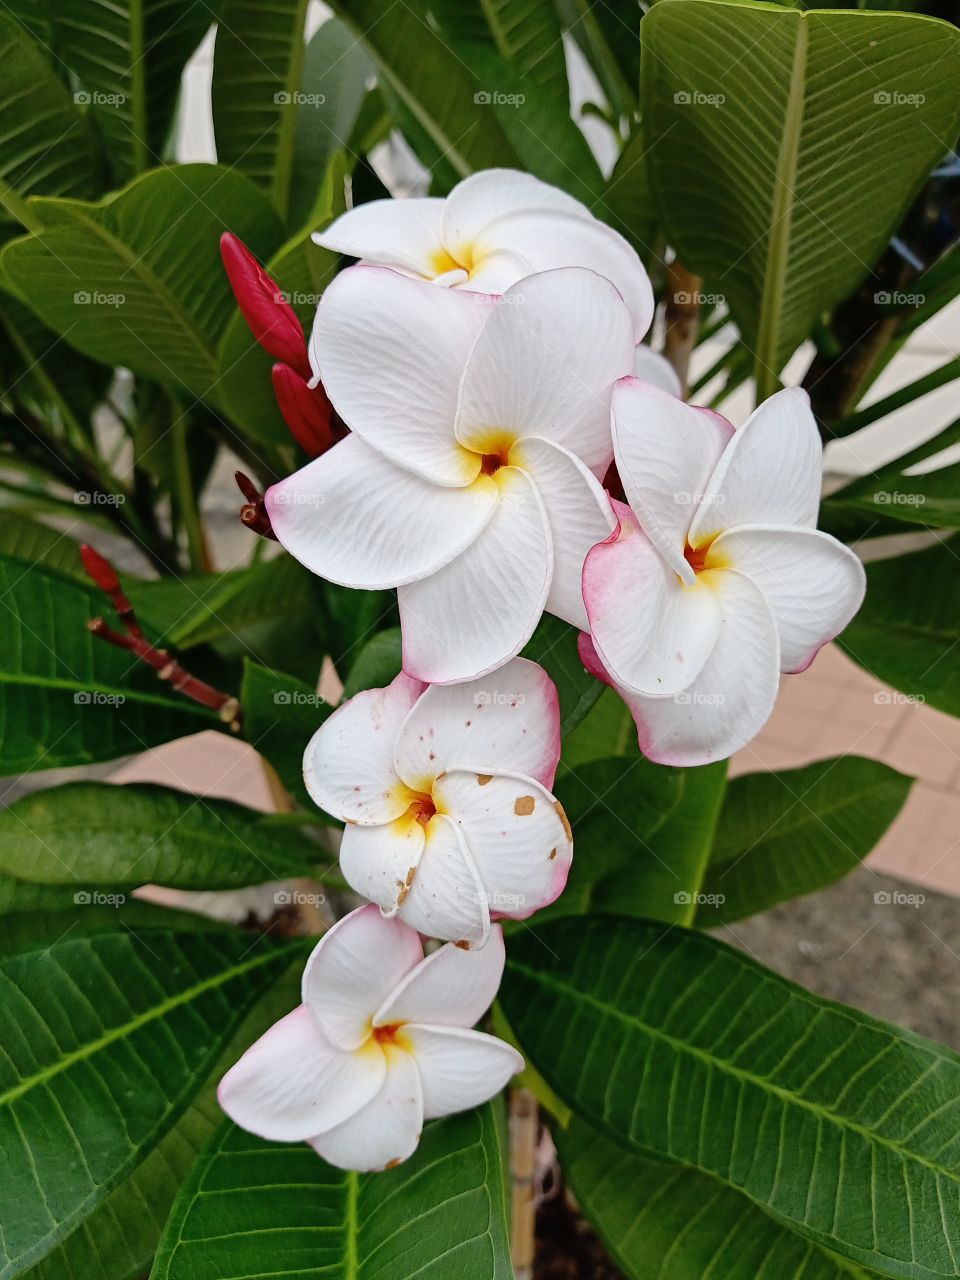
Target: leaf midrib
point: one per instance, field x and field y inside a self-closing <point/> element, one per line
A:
<point x="94" y="686"/>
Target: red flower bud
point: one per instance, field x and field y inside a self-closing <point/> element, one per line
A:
<point x="273" y="322"/>
<point x="306" y="410"/>
<point x="98" y="569"/>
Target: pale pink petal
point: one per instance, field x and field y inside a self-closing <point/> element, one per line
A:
<point x="770" y="472"/>
<point x="386" y="1131"/>
<point x="352" y="970"/>
<point x="476" y="201"/>
<point x="293" y="1081"/>
<point x="380" y="862"/>
<point x="390" y="352"/>
<point x="481" y="609"/>
<point x="652" y="631"/>
<point x="446" y="899"/>
<point x="348" y="763"/>
<point x="579" y="513"/>
<point x="460" y="1069"/>
<point x="650" y="366"/>
<point x="545" y="364"/>
<point x="517" y="833"/>
<point x="396" y="233"/>
<point x="355" y="518"/>
<point x="451" y="987"/>
<point x="510" y="718"/>
<point x="813" y="583"/>
<point x="666" y="451"/>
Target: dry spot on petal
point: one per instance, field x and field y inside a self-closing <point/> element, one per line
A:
<point x="552" y="854"/>
<point x="484" y="778"/>
<point x="523" y="806"/>
<point x="464" y="946"/>
<point x="404" y="886"/>
<point x="564" y="819"/>
<point x="391" y="1164"/>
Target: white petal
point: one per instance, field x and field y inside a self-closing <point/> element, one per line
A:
<point x="478" y="200"/>
<point x="770" y="472"/>
<point x="518" y="836"/>
<point x="545" y="364"/>
<point x="396" y="233"/>
<point x="451" y="987"/>
<point x="652" y="631"/>
<point x="496" y="273"/>
<point x="580" y="516"/>
<point x="352" y="970"/>
<point x="446" y="899"/>
<point x="390" y="351"/>
<point x="510" y="718"/>
<point x="813" y="583"/>
<point x="386" y="1131"/>
<point x="559" y="239"/>
<point x="380" y="862"/>
<point x="480" y="610"/>
<point x="292" y="1081"/>
<point x="731" y="699"/>
<point x="356" y="518"/>
<point x="666" y="451"/>
<point x="650" y="366"/>
<point x="460" y="1069"/>
<point x="348" y="763"/>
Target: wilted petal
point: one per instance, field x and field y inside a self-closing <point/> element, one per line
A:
<point x="451" y="987"/>
<point x="446" y="899"/>
<point x="397" y="233"/>
<point x="384" y="1132"/>
<point x="460" y="1069"/>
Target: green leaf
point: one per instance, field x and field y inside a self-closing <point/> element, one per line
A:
<point x="784" y="170"/>
<point x="784" y="834"/>
<point x="253" y="1208"/>
<point x="667" y="1222"/>
<point x="106" y="1039"/>
<point x="627" y="204"/>
<point x="554" y="646"/>
<point x="93" y="833"/>
<point x="136" y="279"/>
<point x="908" y="628"/>
<point x="66" y="697"/>
<point x="606" y="730"/>
<point x="843" y="1127"/>
<point x="35" y="543"/>
<point x="377" y="663"/>
<point x="280" y="716"/>
<point x="525" y="33"/>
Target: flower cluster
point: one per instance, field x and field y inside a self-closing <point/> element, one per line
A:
<point x="485" y="356"/>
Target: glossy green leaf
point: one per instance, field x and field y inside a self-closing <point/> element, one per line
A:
<point x="784" y="834"/>
<point x="280" y="716"/>
<point x="35" y="543"/>
<point x="253" y="1208"/>
<point x="378" y="662"/>
<point x="525" y="33"/>
<point x="786" y="145"/>
<point x="106" y="1039"/>
<point x="554" y="646"/>
<point x="677" y="1045"/>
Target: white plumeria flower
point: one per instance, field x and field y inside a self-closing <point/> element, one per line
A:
<point x="481" y="428"/>
<point x="717" y="579"/>
<point x="445" y="793"/>
<point x="380" y="1043"/>
<point x="493" y="229"/>
<point x="651" y="366"/>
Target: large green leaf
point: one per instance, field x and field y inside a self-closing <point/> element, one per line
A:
<point x="92" y="833"/>
<point x="252" y="1209"/>
<point x="674" y="1044"/>
<point x="784" y="834"/>
<point x="136" y="279"/>
<point x="105" y="1040"/>
<point x="554" y="646"/>
<point x="668" y="1222"/>
<point x="66" y="697"/>
<point x="280" y="716"/>
<point x="526" y="33"/>
<point x="788" y="144"/>
<point x="627" y="204"/>
<point x="908" y="629"/>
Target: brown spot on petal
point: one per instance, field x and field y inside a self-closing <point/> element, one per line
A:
<point x="564" y="819"/>
<point x="404" y="886"/>
<point x="552" y="854"/>
<point x="484" y="778"/>
<point x="391" y="1164"/>
<point x="523" y="806"/>
<point x="464" y="946"/>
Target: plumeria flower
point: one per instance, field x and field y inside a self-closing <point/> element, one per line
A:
<point x="380" y="1043"/>
<point x="445" y="793"/>
<point x="480" y="431"/>
<point x="717" y="579"/>
<point x="493" y="229"/>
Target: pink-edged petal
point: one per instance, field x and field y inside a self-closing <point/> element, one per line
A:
<point x="352" y="970"/>
<point x="545" y="363"/>
<point x="481" y="609"/>
<point x="770" y="472"/>
<point x="510" y="718"/>
<point x="390" y="352"/>
<point x="386" y="1131"/>
<point x="731" y="699"/>
<point x="652" y="631"/>
<point x="355" y="518"/>
<point x="446" y="898"/>
<point x="293" y="1081"/>
<point x="579" y="513"/>
<point x="450" y="988"/>
<point x="460" y="1069"/>
<point x="559" y="239"/>
<point x="396" y="233"/>
<point x="478" y="200"/>
<point x="650" y="366"/>
<point x="348" y="763"/>
<point x="666" y="451"/>
<point x="380" y="862"/>
<point x="591" y="661"/>
<point x="517" y="833"/>
<point x="813" y="583"/>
